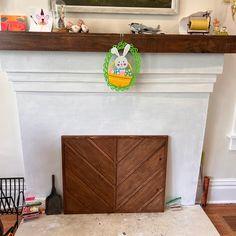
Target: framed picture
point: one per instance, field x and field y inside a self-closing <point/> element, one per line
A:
<point x="164" y="7"/>
<point x="13" y="23"/>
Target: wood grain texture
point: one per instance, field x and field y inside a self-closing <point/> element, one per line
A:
<point x="8" y="221"/>
<point x="141" y="181"/>
<point x="223" y="216"/>
<point x="34" y="41"/>
<point x="231" y="221"/>
<point x="89" y="177"/>
<point x="114" y="173"/>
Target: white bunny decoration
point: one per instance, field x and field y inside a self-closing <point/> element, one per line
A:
<point x="121" y="62"/>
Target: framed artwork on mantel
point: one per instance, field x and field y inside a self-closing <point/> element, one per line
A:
<point x="164" y="7"/>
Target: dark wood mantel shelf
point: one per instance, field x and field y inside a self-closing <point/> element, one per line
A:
<point x="103" y="42"/>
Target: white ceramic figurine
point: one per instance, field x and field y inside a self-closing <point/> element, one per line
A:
<point x="80" y="27"/>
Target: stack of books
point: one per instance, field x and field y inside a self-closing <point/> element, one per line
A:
<point x="31" y="210"/>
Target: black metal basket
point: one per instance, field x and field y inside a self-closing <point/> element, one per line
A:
<point x="12" y="198"/>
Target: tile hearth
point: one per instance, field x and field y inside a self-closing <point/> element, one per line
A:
<point x="190" y="221"/>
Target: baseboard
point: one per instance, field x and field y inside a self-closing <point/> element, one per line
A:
<point x="222" y="191"/>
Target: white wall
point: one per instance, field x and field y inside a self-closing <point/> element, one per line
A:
<point x="11" y="161"/>
<point x="220" y="162"/>
<point x="116" y="23"/>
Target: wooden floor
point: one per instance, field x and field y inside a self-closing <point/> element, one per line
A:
<point x="8" y="221"/>
<point x="220" y="215"/>
<point x="217" y="213"/>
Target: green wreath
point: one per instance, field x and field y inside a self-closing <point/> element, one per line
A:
<point x="118" y="82"/>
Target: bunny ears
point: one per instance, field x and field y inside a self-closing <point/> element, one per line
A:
<point x="114" y="50"/>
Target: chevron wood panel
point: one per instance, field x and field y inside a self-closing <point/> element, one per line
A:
<point x="137" y="156"/>
<point x="145" y="197"/>
<point x="81" y="169"/>
<point x="141" y="176"/>
<point x="89" y="175"/>
<point x="126" y="145"/>
<point x="94" y="156"/>
<point x="104" y="174"/>
<point x="105" y="145"/>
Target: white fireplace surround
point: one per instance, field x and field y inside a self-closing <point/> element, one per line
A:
<point x="62" y="93"/>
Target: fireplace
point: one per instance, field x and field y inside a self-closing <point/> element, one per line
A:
<point x="60" y="93"/>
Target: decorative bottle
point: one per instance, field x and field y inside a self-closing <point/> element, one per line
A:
<point x="58" y="11"/>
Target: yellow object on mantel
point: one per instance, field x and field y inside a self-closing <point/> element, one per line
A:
<point x="199" y="24"/>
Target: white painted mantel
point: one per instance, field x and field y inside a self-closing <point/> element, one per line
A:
<point x="62" y="93"/>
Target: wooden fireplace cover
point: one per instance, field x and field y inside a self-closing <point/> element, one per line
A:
<point x="109" y="174"/>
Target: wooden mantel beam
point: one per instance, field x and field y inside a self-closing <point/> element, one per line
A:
<point x="91" y="42"/>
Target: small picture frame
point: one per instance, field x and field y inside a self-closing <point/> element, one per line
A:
<point x="40" y="21"/>
<point x="13" y="23"/>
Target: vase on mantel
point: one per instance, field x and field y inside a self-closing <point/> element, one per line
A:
<point x="58" y="12"/>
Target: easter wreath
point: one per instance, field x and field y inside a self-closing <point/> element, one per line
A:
<point x="119" y="74"/>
